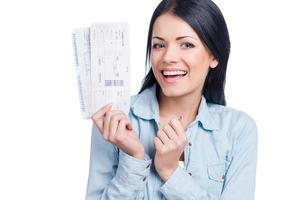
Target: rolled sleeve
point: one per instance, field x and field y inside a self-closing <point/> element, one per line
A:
<point x="180" y="185"/>
<point x="132" y="172"/>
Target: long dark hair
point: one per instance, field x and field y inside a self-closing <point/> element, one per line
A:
<point x="208" y="22"/>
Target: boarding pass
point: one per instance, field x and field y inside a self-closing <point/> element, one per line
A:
<point x="101" y="54"/>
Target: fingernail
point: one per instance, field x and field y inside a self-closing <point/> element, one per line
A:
<point x="110" y="104"/>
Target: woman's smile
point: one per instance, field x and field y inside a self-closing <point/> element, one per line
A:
<point x="171" y="76"/>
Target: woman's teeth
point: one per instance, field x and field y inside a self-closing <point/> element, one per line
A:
<point x="173" y="76"/>
<point x="174" y="73"/>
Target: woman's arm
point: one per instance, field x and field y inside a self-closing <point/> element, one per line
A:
<point x="114" y="174"/>
<point x="239" y="181"/>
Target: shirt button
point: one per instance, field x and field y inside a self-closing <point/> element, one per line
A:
<point x="145" y="178"/>
<point x="190" y="173"/>
<point x="148" y="166"/>
<point x="190" y="144"/>
<point x="223" y="177"/>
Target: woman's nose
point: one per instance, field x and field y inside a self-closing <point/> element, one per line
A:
<point x="171" y="55"/>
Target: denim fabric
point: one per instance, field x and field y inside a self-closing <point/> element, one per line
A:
<point x="219" y="159"/>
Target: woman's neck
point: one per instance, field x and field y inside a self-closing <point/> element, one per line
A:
<point x="185" y="106"/>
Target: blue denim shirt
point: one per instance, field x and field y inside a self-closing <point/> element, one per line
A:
<point x="219" y="159"/>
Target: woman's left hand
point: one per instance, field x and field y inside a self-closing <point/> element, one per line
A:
<point x="169" y="144"/>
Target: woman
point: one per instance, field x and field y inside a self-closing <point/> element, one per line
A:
<point x="179" y="140"/>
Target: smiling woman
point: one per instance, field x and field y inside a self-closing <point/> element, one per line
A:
<point x="176" y="48"/>
<point x="179" y="140"/>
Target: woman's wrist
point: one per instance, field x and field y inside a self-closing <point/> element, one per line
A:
<point x="139" y="155"/>
<point x="166" y="175"/>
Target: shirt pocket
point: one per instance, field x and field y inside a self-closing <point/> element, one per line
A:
<point x="216" y="176"/>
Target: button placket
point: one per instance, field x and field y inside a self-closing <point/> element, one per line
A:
<point x="223" y="176"/>
<point x="187" y="148"/>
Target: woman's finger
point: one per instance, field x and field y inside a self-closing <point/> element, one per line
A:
<point x="121" y="129"/>
<point x="157" y="143"/>
<point x="129" y="126"/>
<point x="106" y="124"/>
<point x="98" y="117"/>
<point x="114" y="122"/>
<point x="178" y="127"/>
<point x="172" y="135"/>
<point x="162" y="136"/>
<point x="101" y="111"/>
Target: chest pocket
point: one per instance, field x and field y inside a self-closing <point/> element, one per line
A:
<point x="216" y="177"/>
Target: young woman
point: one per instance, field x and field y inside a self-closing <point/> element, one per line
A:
<point x="179" y="140"/>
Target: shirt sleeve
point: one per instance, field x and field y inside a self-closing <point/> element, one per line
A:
<point x="114" y="174"/>
<point x="239" y="180"/>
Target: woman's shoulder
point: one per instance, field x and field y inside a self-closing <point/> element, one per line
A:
<point x="231" y="118"/>
<point x="228" y="111"/>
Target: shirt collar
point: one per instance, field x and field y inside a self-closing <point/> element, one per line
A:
<point x="146" y="106"/>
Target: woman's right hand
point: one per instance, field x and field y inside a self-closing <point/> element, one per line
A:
<point x="117" y="129"/>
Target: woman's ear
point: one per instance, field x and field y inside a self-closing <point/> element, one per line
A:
<point x="214" y="63"/>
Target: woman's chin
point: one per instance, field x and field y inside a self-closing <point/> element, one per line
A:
<point x="172" y="92"/>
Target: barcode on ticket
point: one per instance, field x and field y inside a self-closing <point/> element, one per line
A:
<point x="114" y="82"/>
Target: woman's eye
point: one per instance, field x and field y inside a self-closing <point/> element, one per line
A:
<point x="157" y="46"/>
<point x="188" y="45"/>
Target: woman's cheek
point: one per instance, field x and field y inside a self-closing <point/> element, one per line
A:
<point x="155" y="59"/>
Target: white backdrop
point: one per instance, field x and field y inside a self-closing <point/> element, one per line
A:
<point x="44" y="142"/>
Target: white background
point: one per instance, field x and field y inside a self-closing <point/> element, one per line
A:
<point x="44" y="142"/>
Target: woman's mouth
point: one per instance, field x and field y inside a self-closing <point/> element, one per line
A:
<point x="173" y="76"/>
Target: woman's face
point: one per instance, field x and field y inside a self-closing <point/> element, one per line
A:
<point x="180" y="62"/>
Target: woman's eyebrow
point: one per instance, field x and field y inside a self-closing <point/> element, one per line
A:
<point x="156" y="37"/>
<point x="178" y="38"/>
